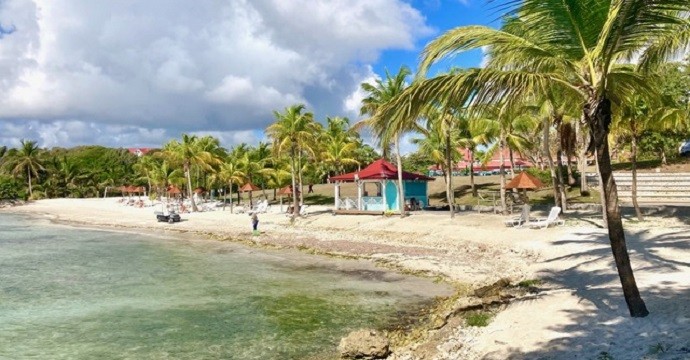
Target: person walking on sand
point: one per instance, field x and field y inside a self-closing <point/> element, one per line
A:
<point x="255" y="223"/>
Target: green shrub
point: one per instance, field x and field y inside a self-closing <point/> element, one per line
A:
<point x="529" y="283"/>
<point x="10" y="189"/>
<point x="479" y="319"/>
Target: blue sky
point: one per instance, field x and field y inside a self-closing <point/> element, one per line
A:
<point x="139" y="73"/>
<point x="442" y="15"/>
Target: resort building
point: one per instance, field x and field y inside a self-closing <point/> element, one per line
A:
<point x="377" y="189"/>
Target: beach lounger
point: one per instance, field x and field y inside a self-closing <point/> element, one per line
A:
<point x="260" y="208"/>
<point x="551" y="219"/>
<point x="520" y="220"/>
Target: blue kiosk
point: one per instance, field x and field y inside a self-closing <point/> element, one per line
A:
<point x="377" y="189"/>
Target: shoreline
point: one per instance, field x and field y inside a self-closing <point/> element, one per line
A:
<point x="469" y="251"/>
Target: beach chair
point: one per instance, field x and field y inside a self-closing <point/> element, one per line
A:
<point x="551" y="219"/>
<point x="260" y="208"/>
<point x="240" y="209"/>
<point x="303" y="210"/>
<point x="520" y="220"/>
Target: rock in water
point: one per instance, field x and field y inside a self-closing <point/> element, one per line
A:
<point x="364" y="344"/>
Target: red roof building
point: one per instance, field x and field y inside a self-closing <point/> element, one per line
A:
<point x="495" y="162"/>
<point x="383" y="176"/>
<point x="379" y="170"/>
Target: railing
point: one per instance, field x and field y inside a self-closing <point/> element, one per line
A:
<point x="373" y="203"/>
<point x="347" y="204"/>
<point x="654" y="187"/>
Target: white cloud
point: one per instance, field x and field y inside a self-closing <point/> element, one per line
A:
<point x="485" y="57"/>
<point x="353" y="102"/>
<point x="150" y="70"/>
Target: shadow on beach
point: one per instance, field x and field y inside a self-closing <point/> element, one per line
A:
<point x="602" y="328"/>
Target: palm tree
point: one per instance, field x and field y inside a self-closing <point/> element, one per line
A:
<point x="188" y="153"/>
<point x="578" y="47"/>
<point x="26" y="161"/>
<point x="338" y="145"/>
<point x="291" y="133"/>
<point x="163" y="175"/>
<point x="440" y="137"/>
<point x="384" y="92"/>
<point x="232" y="174"/>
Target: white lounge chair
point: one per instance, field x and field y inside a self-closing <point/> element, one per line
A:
<point x="520" y="220"/>
<point x="551" y="219"/>
<point x="260" y="208"/>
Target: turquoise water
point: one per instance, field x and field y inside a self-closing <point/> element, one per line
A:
<point x="71" y="293"/>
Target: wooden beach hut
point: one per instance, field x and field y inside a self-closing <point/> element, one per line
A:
<point x="377" y="189"/>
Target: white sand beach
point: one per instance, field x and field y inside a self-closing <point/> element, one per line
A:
<point x="579" y="312"/>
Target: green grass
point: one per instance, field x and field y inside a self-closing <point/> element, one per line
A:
<point x="529" y="283"/>
<point x="479" y="319"/>
<point x="324" y="193"/>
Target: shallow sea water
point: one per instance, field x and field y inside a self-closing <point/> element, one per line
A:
<point x="75" y="293"/>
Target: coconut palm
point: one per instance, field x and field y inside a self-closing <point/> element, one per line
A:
<point x="380" y="94"/>
<point x="25" y="161"/>
<point x="232" y="174"/>
<point x="577" y="47"/>
<point x="291" y="134"/>
<point x="440" y="136"/>
<point x="338" y="145"/>
<point x="188" y="153"/>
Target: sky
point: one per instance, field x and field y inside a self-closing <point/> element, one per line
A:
<point x="137" y="73"/>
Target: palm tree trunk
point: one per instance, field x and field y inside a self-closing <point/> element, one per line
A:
<point x="295" y="204"/>
<point x="28" y="173"/>
<point x="512" y="163"/>
<point x="449" y="178"/>
<point x="189" y="186"/>
<point x="582" y="161"/>
<point x="633" y="160"/>
<point x="299" y="177"/>
<point x="232" y="203"/>
<point x="549" y="160"/>
<point x="598" y="112"/>
<point x="559" y="162"/>
<point x="472" y="184"/>
<point x="501" y="148"/>
<point x="401" y="190"/>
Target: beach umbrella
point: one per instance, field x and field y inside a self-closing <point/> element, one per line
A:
<point x="524" y="181"/>
<point x="140" y="190"/>
<point x="285" y="191"/>
<point x="172" y="189"/>
<point x="200" y="190"/>
<point x="249" y="187"/>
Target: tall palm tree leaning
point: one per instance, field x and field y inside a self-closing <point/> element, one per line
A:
<point x="188" y="152"/>
<point x="575" y="46"/>
<point x="384" y="92"/>
<point x="26" y="161"/>
<point x="292" y="129"/>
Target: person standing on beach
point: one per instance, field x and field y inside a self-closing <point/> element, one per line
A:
<point x="255" y="222"/>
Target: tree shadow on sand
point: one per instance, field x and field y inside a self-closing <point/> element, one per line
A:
<point x="603" y="329"/>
